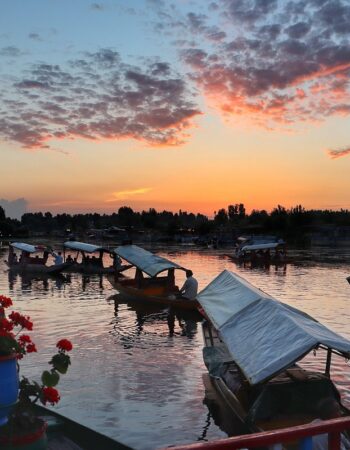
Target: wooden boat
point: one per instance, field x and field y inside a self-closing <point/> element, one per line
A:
<point x="89" y="258"/>
<point x="261" y="253"/>
<point x="30" y="262"/>
<point x="146" y="285"/>
<point x="252" y="345"/>
<point x="66" y="434"/>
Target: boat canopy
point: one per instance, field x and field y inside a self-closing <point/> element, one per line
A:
<point x="26" y="247"/>
<point x="148" y="262"/>
<point x="267" y="246"/>
<point x="263" y="336"/>
<point x="83" y="247"/>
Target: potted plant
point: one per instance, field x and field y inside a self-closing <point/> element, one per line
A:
<point x="20" y="428"/>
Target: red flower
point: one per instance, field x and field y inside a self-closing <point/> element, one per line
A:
<point x="6" y="333"/>
<point x="5" y="301"/>
<point x="23" y="321"/>
<point x="6" y="325"/>
<point x="24" y="338"/>
<point x="50" y="395"/>
<point x="31" y="348"/>
<point x="65" y="345"/>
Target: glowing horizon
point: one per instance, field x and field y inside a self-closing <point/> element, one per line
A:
<point x="192" y="106"/>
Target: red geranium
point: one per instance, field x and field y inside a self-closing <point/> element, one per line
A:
<point x="5" y="302"/>
<point x="11" y="343"/>
<point x="25" y="338"/>
<point x="20" y="320"/>
<point x="50" y="395"/>
<point x="6" y="325"/>
<point x="31" y="348"/>
<point x="64" y="344"/>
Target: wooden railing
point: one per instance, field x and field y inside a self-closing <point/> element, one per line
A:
<point x="301" y="433"/>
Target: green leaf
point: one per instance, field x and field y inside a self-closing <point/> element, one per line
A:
<point x="60" y="362"/>
<point x="50" y="378"/>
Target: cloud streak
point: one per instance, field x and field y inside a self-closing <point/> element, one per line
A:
<point x="97" y="97"/>
<point x="339" y="153"/>
<point x="124" y="195"/>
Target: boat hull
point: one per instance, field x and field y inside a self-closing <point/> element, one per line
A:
<point x="38" y="268"/>
<point x="81" y="268"/>
<point x="64" y="433"/>
<point x="148" y="295"/>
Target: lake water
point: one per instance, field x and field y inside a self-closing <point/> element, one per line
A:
<point x="130" y="377"/>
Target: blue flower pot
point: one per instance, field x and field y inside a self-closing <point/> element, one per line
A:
<point x="8" y="386"/>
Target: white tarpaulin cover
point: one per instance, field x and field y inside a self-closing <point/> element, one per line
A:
<point x="148" y="262"/>
<point x="263" y="335"/>
<point x="26" y="247"/>
<point x="81" y="246"/>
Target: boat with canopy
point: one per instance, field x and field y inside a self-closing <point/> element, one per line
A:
<point x="89" y="258"/>
<point x="32" y="259"/>
<point x="252" y="345"/>
<point x="146" y="284"/>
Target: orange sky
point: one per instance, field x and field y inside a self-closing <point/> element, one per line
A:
<point x="173" y="107"/>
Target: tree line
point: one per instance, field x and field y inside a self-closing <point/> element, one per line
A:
<point x="282" y="221"/>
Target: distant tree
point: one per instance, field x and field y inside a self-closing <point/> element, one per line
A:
<point x="232" y="211"/>
<point x="2" y="213"/>
<point x="241" y="211"/>
<point x="221" y="217"/>
<point x="126" y="216"/>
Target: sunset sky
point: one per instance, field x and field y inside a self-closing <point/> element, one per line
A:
<point x="174" y="104"/>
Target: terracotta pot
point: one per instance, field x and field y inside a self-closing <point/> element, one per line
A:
<point x="8" y="386"/>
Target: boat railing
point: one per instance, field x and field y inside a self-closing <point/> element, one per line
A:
<point x="301" y="433"/>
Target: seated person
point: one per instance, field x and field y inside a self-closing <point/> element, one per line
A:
<point x="190" y="288"/>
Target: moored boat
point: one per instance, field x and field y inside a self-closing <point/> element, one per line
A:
<point x="89" y="258"/>
<point x="146" y="285"/>
<point x="261" y="253"/>
<point x="252" y="345"/>
<point x="32" y="259"/>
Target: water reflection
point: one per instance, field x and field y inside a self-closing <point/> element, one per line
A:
<point x="150" y="320"/>
<point x="139" y="367"/>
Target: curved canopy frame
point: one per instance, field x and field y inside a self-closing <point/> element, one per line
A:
<point x="83" y="247"/>
<point x="144" y="260"/>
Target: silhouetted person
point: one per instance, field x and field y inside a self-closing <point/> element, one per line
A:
<point x="190" y="288"/>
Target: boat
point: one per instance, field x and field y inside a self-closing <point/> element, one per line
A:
<point x="261" y="253"/>
<point x="146" y="285"/>
<point x="66" y="434"/>
<point x="252" y="346"/>
<point x="32" y="259"/>
<point x="89" y="258"/>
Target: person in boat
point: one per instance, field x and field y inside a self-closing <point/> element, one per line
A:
<point x="69" y="259"/>
<point x="117" y="262"/>
<point x="12" y="258"/>
<point x="57" y="258"/>
<point x="328" y="409"/>
<point x="190" y="288"/>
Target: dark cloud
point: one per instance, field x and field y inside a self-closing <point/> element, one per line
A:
<point x="274" y="61"/>
<point x="34" y="36"/>
<point x="97" y="6"/>
<point x="97" y="97"/>
<point x="10" y="51"/>
<point x="338" y="153"/>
